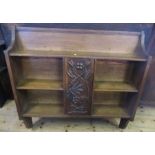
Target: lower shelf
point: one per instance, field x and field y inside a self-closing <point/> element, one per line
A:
<point x="44" y="110"/>
<point x="110" y="111"/>
<point x="57" y="110"/>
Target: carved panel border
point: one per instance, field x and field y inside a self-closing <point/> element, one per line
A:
<point x="78" y="94"/>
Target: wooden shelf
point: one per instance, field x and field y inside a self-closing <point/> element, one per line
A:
<point x="44" y="110"/>
<point x="57" y="110"/>
<point x="97" y="55"/>
<point x="109" y="111"/>
<point x="115" y="87"/>
<point x="33" y="84"/>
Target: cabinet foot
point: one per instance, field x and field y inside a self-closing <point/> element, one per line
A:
<point x="28" y="122"/>
<point x="123" y="123"/>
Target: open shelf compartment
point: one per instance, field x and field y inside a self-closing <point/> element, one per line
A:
<point x="41" y="102"/>
<point x="112" y="104"/>
<point x="50" y="104"/>
<point x="38" y="73"/>
<point x="110" y="111"/>
<point x="37" y="110"/>
<point x="116" y="76"/>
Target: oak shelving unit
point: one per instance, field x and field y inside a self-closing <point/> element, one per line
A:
<point x="76" y="73"/>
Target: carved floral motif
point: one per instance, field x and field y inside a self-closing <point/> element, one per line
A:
<point x="78" y="92"/>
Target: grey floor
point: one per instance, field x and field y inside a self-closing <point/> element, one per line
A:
<point x="144" y="121"/>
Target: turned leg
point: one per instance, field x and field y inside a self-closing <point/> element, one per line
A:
<point x="123" y="123"/>
<point x="28" y="122"/>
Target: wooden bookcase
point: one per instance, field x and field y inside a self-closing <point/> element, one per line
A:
<point x="77" y="73"/>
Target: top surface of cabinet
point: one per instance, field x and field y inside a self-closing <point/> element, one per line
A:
<point x="78" y="43"/>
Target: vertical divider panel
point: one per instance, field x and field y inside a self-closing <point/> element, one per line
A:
<point x="64" y="82"/>
<point x="93" y="84"/>
<point x="78" y="85"/>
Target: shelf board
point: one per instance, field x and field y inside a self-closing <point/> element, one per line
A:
<point x="57" y="110"/>
<point x="34" y="84"/>
<point x="140" y="56"/>
<point x="44" y="110"/>
<point x="114" y="86"/>
<point x="110" y="111"/>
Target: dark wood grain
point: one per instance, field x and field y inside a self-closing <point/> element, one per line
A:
<point x="28" y="122"/>
<point x="11" y="73"/>
<point x="123" y="123"/>
<point x="79" y="78"/>
<point x="35" y="84"/>
<point x="56" y="110"/>
<point x="77" y="73"/>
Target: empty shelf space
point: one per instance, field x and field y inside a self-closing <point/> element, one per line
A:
<point x="115" y="86"/>
<point x="43" y="110"/>
<point x="110" y="111"/>
<point x="40" y="84"/>
<point x="140" y="56"/>
<point x="109" y="98"/>
<point x="57" y="110"/>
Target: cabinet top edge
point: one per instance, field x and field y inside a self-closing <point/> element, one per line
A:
<point x="68" y="30"/>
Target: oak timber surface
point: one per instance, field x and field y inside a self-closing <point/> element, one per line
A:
<point x="109" y="111"/>
<point x="35" y="110"/>
<point x="105" y="55"/>
<point x="77" y="40"/>
<point x="144" y="122"/>
<point x="40" y="54"/>
<point x="109" y="98"/>
<point x="56" y="110"/>
<point x="115" y="86"/>
<point x="79" y="43"/>
<point x="40" y="84"/>
<point x="45" y="97"/>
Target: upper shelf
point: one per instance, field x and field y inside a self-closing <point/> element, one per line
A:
<point x="97" y="55"/>
<point x="49" y="42"/>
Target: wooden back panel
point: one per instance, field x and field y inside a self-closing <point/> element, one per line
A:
<point x="109" y="98"/>
<point x="42" y="96"/>
<point x="38" y="68"/>
<point x="116" y="71"/>
<point x="77" y="40"/>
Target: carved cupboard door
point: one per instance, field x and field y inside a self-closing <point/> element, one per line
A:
<point x="78" y="74"/>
